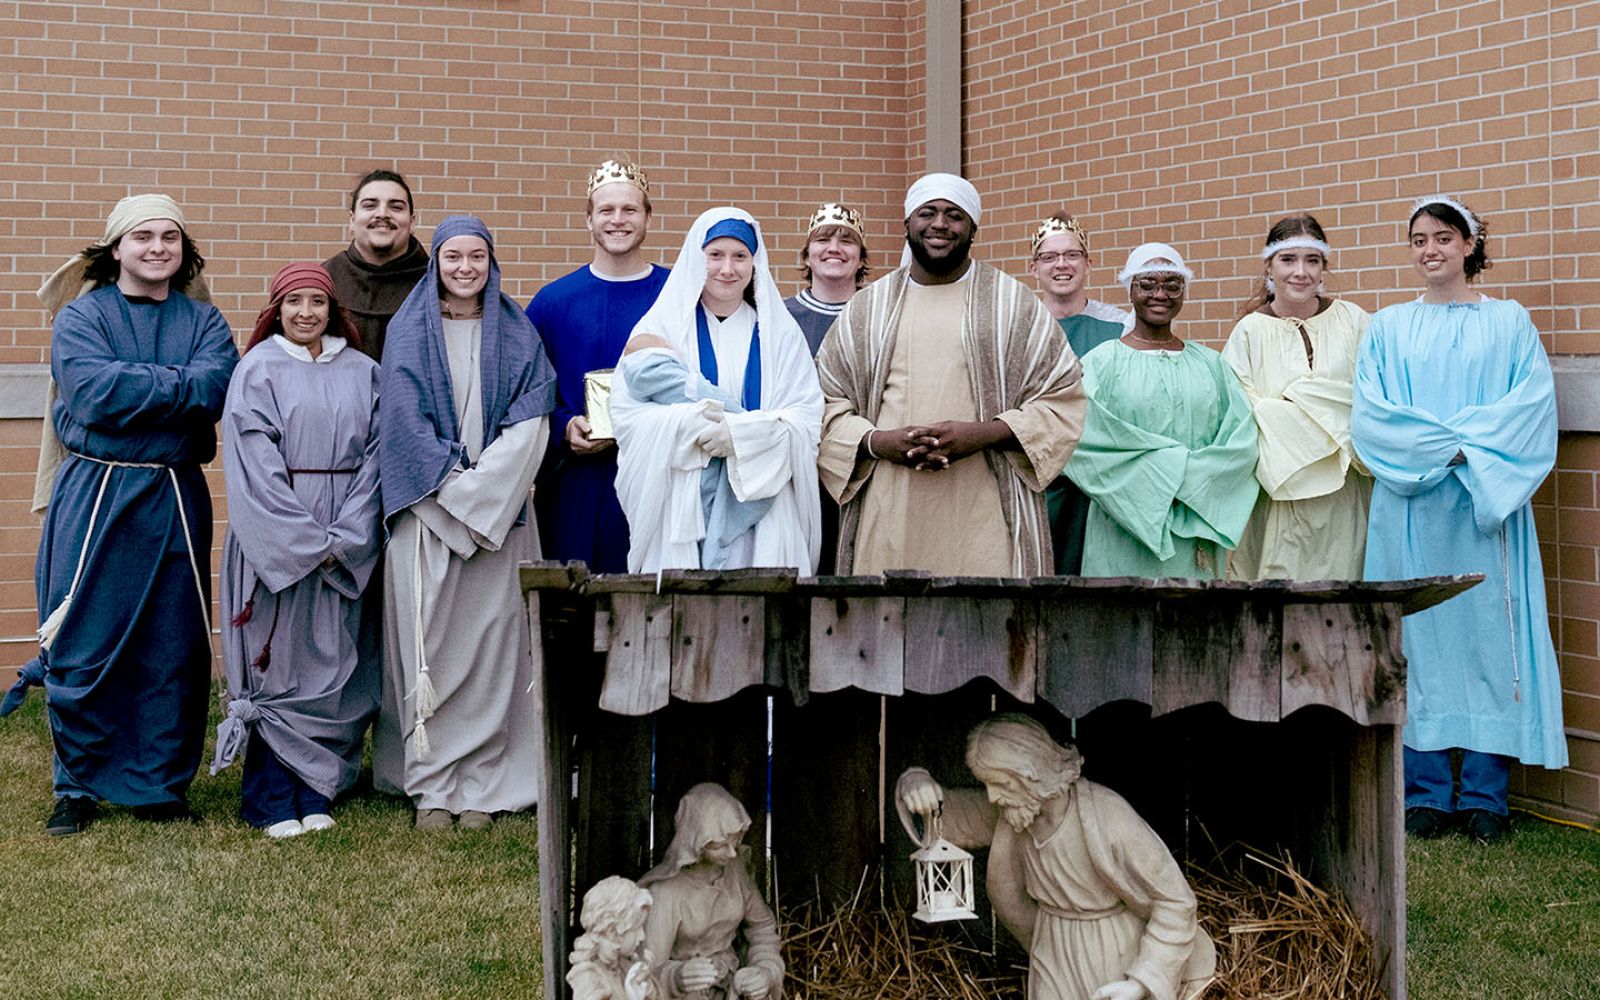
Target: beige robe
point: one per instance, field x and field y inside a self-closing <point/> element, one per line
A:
<point x="982" y="348"/>
<point x="1310" y="522"/>
<point x="484" y="748"/>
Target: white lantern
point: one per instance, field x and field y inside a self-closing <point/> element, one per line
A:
<point x="944" y="879"/>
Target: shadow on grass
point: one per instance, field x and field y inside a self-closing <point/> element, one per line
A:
<point x="367" y="909"/>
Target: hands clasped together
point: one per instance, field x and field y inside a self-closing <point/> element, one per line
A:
<point x="932" y="447"/>
<point x="715" y="438"/>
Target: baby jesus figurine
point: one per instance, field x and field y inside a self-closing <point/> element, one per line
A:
<point x="609" y="961"/>
<point x="717" y="938"/>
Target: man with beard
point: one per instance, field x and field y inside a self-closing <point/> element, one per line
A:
<point x="944" y="359"/>
<point x="585" y="319"/>
<point x="383" y="262"/>
<point x="1078" y="878"/>
<point x="1060" y="265"/>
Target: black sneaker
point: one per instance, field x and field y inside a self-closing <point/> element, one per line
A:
<point x="1426" y="824"/>
<point x="1486" y="827"/>
<point x="72" y="814"/>
<point x="165" y="812"/>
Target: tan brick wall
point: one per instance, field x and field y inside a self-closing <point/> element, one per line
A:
<point x="1199" y="123"/>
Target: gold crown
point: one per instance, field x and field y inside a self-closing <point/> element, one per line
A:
<point x="1055" y="227"/>
<point x="627" y="173"/>
<point x="836" y="215"/>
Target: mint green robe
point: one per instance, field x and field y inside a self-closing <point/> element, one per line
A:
<point x="1168" y="459"/>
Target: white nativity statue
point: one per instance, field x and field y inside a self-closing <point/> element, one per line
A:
<point x="1078" y="878"/>
<point x="609" y="961"/>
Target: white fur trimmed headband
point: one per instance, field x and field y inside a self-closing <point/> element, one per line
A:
<point x="1297" y="243"/>
<point x="1153" y="258"/>
<point x="1441" y="199"/>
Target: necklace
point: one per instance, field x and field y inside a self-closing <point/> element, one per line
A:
<point x="1168" y="342"/>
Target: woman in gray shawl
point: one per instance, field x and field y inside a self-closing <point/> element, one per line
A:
<point x="300" y="442"/>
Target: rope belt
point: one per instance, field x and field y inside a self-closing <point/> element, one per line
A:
<point x="1060" y="914"/>
<point x="52" y="624"/>
<point x="426" y="700"/>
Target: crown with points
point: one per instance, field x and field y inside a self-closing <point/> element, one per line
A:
<point x="628" y="173"/>
<point x="1055" y="227"/>
<point x="836" y="215"/>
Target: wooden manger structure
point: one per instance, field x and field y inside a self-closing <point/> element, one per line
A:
<point x="1266" y="714"/>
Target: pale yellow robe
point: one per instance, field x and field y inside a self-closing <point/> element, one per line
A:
<point x="1311" y="520"/>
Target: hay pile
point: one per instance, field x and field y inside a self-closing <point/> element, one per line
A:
<point x="865" y="953"/>
<point x="1279" y="936"/>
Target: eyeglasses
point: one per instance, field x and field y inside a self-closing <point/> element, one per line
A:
<point x="1172" y="286"/>
<point x="1050" y="257"/>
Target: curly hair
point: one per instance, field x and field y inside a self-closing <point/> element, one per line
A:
<point x="1478" y="260"/>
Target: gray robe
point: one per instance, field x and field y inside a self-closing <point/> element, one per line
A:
<point x="287" y="424"/>
<point x="484" y="748"/>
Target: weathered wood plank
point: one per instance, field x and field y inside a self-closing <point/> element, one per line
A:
<point x="547" y="575"/>
<point x="1093" y="651"/>
<point x="612" y="821"/>
<point x="1221" y="651"/>
<point x="788" y="646"/>
<point x="952" y="640"/>
<point x="697" y="581"/>
<point x="825" y="802"/>
<point x="554" y="712"/>
<point x="639" y="655"/>
<point x="1344" y="656"/>
<point x="858" y="642"/>
<point x="718" y="645"/>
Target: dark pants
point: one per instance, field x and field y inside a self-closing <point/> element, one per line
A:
<point x="272" y="792"/>
<point x="1485" y="781"/>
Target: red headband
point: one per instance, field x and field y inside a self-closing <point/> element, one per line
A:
<point x="291" y="278"/>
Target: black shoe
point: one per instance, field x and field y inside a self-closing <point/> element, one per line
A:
<point x="1426" y="824"/>
<point x="165" y="812"/>
<point x="72" y="814"/>
<point x="1486" y="827"/>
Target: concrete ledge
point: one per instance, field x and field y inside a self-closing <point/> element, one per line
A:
<point x="22" y="390"/>
<point x="1577" y="391"/>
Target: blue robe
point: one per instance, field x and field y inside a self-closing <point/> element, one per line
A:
<point x="1431" y="381"/>
<point x="585" y="321"/>
<point x="127" y="678"/>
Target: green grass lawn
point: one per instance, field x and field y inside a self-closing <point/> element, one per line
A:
<point x="370" y="909"/>
<point x="367" y="909"/>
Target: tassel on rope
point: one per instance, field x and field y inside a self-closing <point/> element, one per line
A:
<point x="427" y="701"/>
<point x="53" y="622"/>
<point x="246" y="613"/>
<point x="52" y="625"/>
<point x="265" y="659"/>
<point x="419" y="742"/>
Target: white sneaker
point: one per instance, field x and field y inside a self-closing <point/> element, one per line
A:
<point x="287" y="828"/>
<point x="317" y="821"/>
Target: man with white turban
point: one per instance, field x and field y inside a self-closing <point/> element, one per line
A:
<point x="142" y="364"/>
<point x="944" y="359"/>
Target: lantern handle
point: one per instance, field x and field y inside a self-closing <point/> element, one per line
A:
<point x="931" y="827"/>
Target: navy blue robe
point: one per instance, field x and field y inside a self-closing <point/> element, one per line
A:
<point x="585" y="322"/>
<point x="128" y="676"/>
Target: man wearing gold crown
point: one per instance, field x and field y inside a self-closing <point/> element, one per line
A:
<point x="1060" y="264"/>
<point x="384" y="261"/>
<point x="940" y="362"/>
<point x="834" y="264"/>
<point x="585" y="318"/>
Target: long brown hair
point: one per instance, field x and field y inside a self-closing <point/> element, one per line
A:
<point x="1285" y="228"/>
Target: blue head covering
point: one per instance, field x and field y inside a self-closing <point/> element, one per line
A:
<point x="419" y="442"/>
<point x="739" y="229"/>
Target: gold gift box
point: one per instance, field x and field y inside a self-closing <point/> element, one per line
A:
<point x="597" y="401"/>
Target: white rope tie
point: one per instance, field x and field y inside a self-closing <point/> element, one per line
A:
<point x="51" y="629"/>
<point x="1511" y="621"/>
<point x="426" y="700"/>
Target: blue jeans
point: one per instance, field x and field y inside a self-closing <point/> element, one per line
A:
<point x="1485" y="781"/>
<point x="272" y="792"/>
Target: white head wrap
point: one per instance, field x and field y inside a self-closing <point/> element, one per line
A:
<point x="1153" y="258"/>
<point x="932" y="187"/>
<point x="1297" y="243"/>
<point x="672" y="316"/>
<point x="1446" y="200"/>
<point x="67" y="283"/>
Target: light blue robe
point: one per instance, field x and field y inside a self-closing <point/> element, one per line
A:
<point x="1433" y="380"/>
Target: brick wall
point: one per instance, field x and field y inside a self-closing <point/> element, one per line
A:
<point x="1199" y="123"/>
<point x="257" y="115"/>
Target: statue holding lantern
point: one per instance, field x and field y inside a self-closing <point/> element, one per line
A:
<point x="1075" y="875"/>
